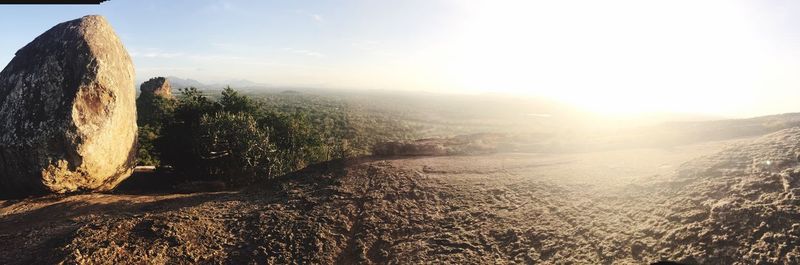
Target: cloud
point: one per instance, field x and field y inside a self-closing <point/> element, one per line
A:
<point x="226" y="5"/>
<point x="154" y="53"/>
<point x="164" y="69"/>
<point x="313" y="16"/>
<point x="304" y="52"/>
<point x="215" y="57"/>
<point x="374" y="47"/>
<point x="217" y="6"/>
<point x="365" y="44"/>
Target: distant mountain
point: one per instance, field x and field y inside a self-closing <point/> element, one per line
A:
<point x="677" y="133"/>
<point x="240" y="83"/>
<point x="177" y="82"/>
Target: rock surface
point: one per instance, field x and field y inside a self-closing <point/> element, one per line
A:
<point x="738" y="206"/>
<point x="482" y="143"/>
<point x="155" y="97"/>
<point x="711" y="203"/>
<point x="492" y="209"/>
<point x="157" y="86"/>
<point x="67" y="112"/>
<point x="415" y="148"/>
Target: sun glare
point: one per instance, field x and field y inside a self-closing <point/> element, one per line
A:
<point x="612" y="56"/>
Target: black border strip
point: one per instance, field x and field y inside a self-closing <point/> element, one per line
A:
<point x="51" y="2"/>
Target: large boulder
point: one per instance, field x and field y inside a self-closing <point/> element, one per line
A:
<point x="67" y="112"/>
<point x="154" y="102"/>
<point x="157" y="86"/>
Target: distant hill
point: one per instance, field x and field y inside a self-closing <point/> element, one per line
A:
<point x="177" y="83"/>
<point x="670" y="134"/>
<point x="550" y="125"/>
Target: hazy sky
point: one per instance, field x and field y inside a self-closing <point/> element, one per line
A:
<point x="728" y="57"/>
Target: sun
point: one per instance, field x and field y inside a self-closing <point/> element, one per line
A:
<point x="610" y="56"/>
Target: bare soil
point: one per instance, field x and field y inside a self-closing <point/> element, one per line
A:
<point x="733" y="202"/>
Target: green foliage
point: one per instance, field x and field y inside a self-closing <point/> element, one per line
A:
<point x="179" y="141"/>
<point x="147" y="154"/>
<point x="297" y="142"/>
<point x="241" y="140"/>
<point x="346" y="129"/>
<point x="234" y="140"/>
<point x="231" y="101"/>
<point x="192" y="105"/>
<point x="152" y="112"/>
<point x="234" y="149"/>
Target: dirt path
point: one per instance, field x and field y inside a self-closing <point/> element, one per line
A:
<point x="621" y="207"/>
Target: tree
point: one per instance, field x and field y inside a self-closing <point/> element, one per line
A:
<point x="234" y="149"/>
<point x="232" y="102"/>
<point x="178" y="142"/>
<point x="152" y="111"/>
<point x="295" y="138"/>
<point x="236" y="140"/>
<point x="146" y="154"/>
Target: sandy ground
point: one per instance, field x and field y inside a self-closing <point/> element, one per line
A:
<point x="729" y="202"/>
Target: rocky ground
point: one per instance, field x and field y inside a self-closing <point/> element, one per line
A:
<point x="729" y="202"/>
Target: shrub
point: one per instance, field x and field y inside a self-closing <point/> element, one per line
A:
<point x="295" y="138"/>
<point x="232" y="101"/>
<point x="152" y="112"/>
<point x="146" y="154"/>
<point x="235" y="140"/>
<point x="232" y="147"/>
<point x="179" y="140"/>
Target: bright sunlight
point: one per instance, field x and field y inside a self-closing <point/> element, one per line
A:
<point x="619" y="56"/>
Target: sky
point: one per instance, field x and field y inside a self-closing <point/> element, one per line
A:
<point x="721" y="57"/>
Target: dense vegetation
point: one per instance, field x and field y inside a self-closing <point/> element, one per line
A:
<point x="239" y="139"/>
<point x="152" y="112"/>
